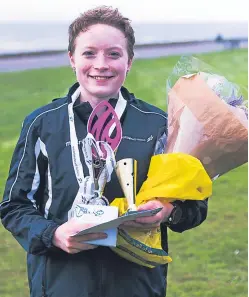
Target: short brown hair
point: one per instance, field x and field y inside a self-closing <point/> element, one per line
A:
<point x="102" y="15"/>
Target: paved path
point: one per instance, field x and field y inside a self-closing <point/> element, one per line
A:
<point x="10" y="64"/>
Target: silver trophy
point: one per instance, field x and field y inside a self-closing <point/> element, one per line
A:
<point x="105" y="128"/>
<point x="126" y="170"/>
<point x="98" y="172"/>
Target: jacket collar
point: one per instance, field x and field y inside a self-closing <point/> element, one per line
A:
<point x="84" y="109"/>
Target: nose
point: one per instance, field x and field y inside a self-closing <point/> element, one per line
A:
<point x="100" y="63"/>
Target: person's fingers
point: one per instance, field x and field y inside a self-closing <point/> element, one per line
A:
<point x="149" y="220"/>
<point x="88" y="246"/>
<point x="90" y="236"/>
<point x="72" y="251"/>
<point x="141" y="229"/>
<point x="79" y="247"/>
<point x="75" y="225"/>
<point x="130" y="223"/>
<point x="139" y="226"/>
<point x="150" y="205"/>
<point x="77" y="244"/>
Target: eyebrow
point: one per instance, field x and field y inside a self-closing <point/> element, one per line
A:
<point x="109" y="48"/>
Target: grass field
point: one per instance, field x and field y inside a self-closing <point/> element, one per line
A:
<point x="209" y="261"/>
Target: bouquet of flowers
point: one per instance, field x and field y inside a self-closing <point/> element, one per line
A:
<point x="208" y="119"/>
<point x="207" y="136"/>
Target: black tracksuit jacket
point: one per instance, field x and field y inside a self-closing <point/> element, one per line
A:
<point x="40" y="190"/>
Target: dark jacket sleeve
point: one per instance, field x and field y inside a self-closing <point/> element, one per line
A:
<point x="19" y="210"/>
<point x="194" y="212"/>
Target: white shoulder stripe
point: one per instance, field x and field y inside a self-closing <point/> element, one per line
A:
<point x="43" y="148"/>
<point x="25" y="146"/>
<point x="149" y="112"/>
<point x="36" y="179"/>
<point x="49" y="201"/>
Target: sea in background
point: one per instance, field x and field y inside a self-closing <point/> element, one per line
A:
<point x="46" y="36"/>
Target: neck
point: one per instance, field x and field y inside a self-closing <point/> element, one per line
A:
<point x="93" y="100"/>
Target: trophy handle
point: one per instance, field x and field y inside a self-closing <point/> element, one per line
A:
<point x="126" y="170"/>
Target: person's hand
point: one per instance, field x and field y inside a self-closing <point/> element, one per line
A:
<point x="73" y="245"/>
<point x="148" y="223"/>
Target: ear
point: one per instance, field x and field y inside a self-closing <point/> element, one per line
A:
<point x="71" y="59"/>
<point x="129" y="64"/>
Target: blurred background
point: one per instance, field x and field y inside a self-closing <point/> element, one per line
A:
<point x="208" y="261"/>
<point x="39" y="28"/>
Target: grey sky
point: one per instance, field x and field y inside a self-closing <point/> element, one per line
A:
<point x="137" y="11"/>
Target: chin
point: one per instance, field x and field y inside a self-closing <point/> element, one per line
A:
<point x="104" y="93"/>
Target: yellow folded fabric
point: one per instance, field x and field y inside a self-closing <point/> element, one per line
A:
<point x="170" y="177"/>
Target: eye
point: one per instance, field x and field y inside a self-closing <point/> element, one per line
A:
<point x="88" y="53"/>
<point x="114" y="54"/>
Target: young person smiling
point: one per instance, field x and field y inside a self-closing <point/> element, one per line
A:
<point x="42" y="183"/>
<point x="100" y="63"/>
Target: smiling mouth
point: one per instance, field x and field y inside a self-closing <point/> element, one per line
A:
<point x="101" y="77"/>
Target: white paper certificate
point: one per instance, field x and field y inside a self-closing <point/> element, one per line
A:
<point x="120" y="220"/>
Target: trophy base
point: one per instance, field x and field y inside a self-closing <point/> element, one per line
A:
<point x="98" y="201"/>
